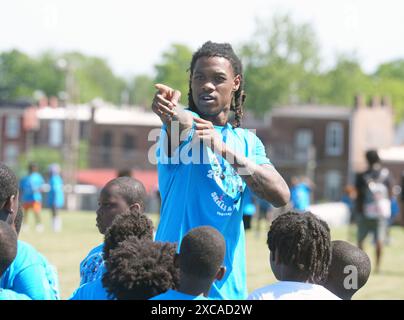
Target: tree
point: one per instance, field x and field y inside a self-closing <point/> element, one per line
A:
<point x="391" y="70"/>
<point x="17" y="76"/>
<point x="172" y="70"/>
<point x="92" y="77"/>
<point x="344" y="81"/>
<point x="281" y="64"/>
<point x="142" y="90"/>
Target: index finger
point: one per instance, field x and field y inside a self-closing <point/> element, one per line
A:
<point x="163" y="88"/>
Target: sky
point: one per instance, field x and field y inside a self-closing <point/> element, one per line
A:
<point x="131" y="35"/>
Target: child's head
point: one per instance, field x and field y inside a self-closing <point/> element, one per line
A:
<point x="349" y="270"/>
<point x="8" y="194"/>
<point x="118" y="196"/>
<point x="8" y="246"/>
<point x="128" y="224"/>
<point x="216" y="81"/>
<point x="300" y="247"/>
<point x="140" y="269"/>
<point x="201" y="254"/>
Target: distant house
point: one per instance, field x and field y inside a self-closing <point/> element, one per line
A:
<point x="328" y="143"/>
<point x="123" y="138"/>
<point x="16" y="121"/>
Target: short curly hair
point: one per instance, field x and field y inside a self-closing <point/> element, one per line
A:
<point x="139" y="269"/>
<point x="128" y="224"/>
<point x="302" y="242"/>
<point x="202" y="252"/>
<point x="8" y="246"/>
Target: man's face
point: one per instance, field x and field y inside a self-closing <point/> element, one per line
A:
<point x="213" y="83"/>
<point x="110" y="205"/>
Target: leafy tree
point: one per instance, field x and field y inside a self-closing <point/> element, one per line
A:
<point x="281" y="63"/>
<point x="17" y="76"/>
<point x="391" y="70"/>
<point x="142" y="90"/>
<point x="172" y="70"/>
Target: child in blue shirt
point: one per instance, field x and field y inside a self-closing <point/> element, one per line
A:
<point x="118" y="196"/>
<point x="200" y="262"/>
<point x="125" y="225"/>
<point x="8" y="251"/>
<point x="139" y="269"/>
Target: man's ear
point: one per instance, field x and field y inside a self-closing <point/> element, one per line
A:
<point x="236" y="82"/>
<point x="220" y="274"/>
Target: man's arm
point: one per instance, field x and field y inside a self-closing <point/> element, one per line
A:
<point x="263" y="179"/>
<point x="178" y="121"/>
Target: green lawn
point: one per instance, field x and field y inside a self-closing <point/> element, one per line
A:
<point x="66" y="249"/>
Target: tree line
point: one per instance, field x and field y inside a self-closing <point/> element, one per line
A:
<point x="282" y="66"/>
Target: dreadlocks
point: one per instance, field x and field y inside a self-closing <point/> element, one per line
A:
<point x="302" y="241"/>
<point x="224" y="50"/>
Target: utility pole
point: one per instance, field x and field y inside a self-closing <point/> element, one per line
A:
<point x="71" y="135"/>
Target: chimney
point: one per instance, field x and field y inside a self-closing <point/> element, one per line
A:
<point x="386" y="101"/>
<point x="359" y="101"/>
<point x="375" y="102"/>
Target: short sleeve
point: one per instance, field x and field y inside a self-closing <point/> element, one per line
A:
<point x="256" y="149"/>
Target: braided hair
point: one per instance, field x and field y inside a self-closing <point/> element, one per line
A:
<point x="224" y="50"/>
<point x="302" y="242"/>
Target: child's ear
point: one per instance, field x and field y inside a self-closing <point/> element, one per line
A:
<point x="177" y="260"/>
<point x="136" y="206"/>
<point x="220" y="274"/>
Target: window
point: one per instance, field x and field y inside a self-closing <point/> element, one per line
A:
<point x="303" y="142"/>
<point x="11" y="154"/>
<point x="128" y="145"/>
<point x="55" y="133"/>
<point x="13" y="127"/>
<point x="333" y="185"/>
<point x="334" y="139"/>
<point x="106" y="146"/>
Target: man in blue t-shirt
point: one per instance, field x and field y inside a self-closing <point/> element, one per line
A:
<point x="206" y="160"/>
<point x="31" y="187"/>
<point x="200" y="261"/>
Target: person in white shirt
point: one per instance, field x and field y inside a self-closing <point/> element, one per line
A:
<point x="300" y="255"/>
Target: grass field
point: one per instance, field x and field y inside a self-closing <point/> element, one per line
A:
<point x="66" y="249"/>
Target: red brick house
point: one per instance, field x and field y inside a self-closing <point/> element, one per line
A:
<point x="328" y="143"/>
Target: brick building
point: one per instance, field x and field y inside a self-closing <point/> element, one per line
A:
<point x="328" y="143"/>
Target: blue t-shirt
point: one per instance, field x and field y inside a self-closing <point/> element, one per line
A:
<point x="208" y="193"/>
<point x="92" y="266"/>
<point x="31" y="186"/>
<point x="6" y="294"/>
<point x="300" y="196"/>
<point x="175" y="295"/>
<point x="31" y="274"/>
<point x="93" y="290"/>
<point x="56" y="195"/>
